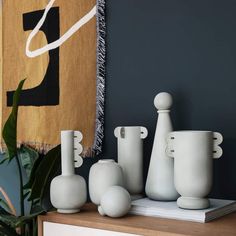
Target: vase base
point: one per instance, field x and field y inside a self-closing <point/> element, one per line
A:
<point x="193" y="203"/>
<point x="68" y="211"/>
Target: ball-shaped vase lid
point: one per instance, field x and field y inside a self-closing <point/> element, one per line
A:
<point x="163" y="101"/>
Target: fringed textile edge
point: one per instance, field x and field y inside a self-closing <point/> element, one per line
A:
<point x="100" y="97"/>
<point x="43" y="148"/>
<point x="39" y="147"/>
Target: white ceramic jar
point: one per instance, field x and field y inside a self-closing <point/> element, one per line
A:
<point x="193" y="153"/>
<point x="102" y="175"/>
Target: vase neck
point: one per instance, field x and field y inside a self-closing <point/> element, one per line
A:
<point x="67" y="165"/>
<point x="106" y="161"/>
<point x="67" y="153"/>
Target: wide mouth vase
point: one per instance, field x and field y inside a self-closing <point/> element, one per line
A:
<point x="193" y="153"/>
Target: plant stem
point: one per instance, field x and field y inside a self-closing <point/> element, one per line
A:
<point x="22" y="204"/>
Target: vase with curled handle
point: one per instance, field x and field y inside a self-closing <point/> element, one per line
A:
<point x="193" y="153"/>
<point x="68" y="192"/>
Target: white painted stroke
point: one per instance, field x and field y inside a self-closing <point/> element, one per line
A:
<point x="85" y="19"/>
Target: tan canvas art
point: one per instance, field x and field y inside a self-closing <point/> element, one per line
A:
<point x="59" y="47"/>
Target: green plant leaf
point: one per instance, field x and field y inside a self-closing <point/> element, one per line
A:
<point x="32" y="176"/>
<point x="26" y="219"/>
<point x="27" y="158"/>
<point x="26" y="193"/>
<point x="5" y="157"/>
<point x="36" y="208"/>
<point x="35" y="228"/>
<point x="3" y="211"/>
<point x="47" y="168"/>
<point x="7" y="218"/>
<point x="9" y="132"/>
<point x="10" y="220"/>
<point x="4" y="160"/>
<point x="6" y="230"/>
<point x="4" y="205"/>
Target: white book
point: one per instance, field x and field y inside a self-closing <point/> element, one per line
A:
<point x="170" y="210"/>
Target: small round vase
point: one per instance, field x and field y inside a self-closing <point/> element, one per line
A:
<point x="115" y="202"/>
<point x="104" y="174"/>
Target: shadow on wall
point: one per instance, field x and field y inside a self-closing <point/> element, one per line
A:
<point x="224" y="182"/>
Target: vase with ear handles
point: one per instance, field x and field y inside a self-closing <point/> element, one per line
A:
<point x="68" y="191"/>
<point x="130" y="157"/>
<point x="193" y="152"/>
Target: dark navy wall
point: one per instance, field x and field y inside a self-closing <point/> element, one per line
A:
<point x="187" y="48"/>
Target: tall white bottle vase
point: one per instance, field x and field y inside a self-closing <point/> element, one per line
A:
<point x="160" y="179"/>
<point x="68" y="191"/>
<point x="130" y="156"/>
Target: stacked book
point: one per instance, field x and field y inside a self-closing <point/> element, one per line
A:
<point x="170" y="210"/>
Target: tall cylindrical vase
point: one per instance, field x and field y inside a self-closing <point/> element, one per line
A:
<point x="68" y="191"/>
<point x="130" y="156"/>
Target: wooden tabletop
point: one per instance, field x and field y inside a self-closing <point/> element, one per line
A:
<point x="142" y="225"/>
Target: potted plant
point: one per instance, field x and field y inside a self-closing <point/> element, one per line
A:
<point x="39" y="169"/>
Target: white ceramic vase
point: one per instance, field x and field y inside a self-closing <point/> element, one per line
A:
<point x="160" y="178"/>
<point x="102" y="175"/>
<point x="193" y="153"/>
<point x="130" y="156"/>
<point x="68" y="191"/>
<point x="115" y="202"/>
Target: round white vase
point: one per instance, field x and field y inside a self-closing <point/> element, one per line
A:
<point x="115" y="202"/>
<point x="68" y="191"/>
<point x="102" y="175"/>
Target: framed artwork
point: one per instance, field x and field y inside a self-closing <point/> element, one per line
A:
<point x="59" y="47"/>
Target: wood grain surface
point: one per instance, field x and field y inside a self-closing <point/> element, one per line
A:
<point x="150" y="226"/>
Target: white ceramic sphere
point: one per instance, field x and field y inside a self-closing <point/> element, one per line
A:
<point x="102" y="175"/>
<point x="115" y="202"/>
<point x="163" y="101"/>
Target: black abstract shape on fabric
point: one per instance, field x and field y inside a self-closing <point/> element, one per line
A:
<point x="47" y="92"/>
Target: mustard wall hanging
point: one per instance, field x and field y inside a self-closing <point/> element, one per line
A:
<point x="59" y="46"/>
